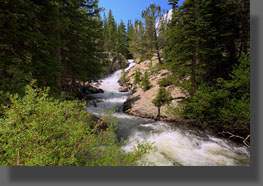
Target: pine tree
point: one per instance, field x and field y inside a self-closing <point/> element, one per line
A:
<point x="183" y="42"/>
<point x="112" y="32"/>
<point x="152" y="15"/>
<point x="55" y="42"/>
<point x="145" y="83"/>
<point x="122" y="40"/>
<point x="137" y="77"/>
<point x="163" y="97"/>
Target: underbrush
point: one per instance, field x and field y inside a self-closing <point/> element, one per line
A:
<point x="39" y="130"/>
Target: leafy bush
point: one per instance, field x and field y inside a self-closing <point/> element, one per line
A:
<point x="38" y="130"/>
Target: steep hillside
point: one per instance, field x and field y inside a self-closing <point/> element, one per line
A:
<point x="140" y="102"/>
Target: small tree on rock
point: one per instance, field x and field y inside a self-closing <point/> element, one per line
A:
<point x="145" y="83"/>
<point x="163" y="97"/>
<point x="137" y="77"/>
<point x="123" y="78"/>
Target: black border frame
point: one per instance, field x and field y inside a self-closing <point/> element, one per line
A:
<point x="251" y="175"/>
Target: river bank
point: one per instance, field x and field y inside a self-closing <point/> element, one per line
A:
<point x="139" y="103"/>
<point x="175" y="145"/>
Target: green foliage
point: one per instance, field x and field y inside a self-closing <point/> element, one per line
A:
<point x="225" y="105"/>
<point x="145" y="39"/>
<point x="124" y="78"/>
<point x="54" y="42"/>
<point x="38" y="130"/>
<point x="164" y="82"/>
<point x="137" y="77"/>
<point x="145" y="82"/>
<point x="163" y="97"/>
<point x="201" y="45"/>
<point x="204" y="52"/>
<point x="150" y="66"/>
<point x="152" y="15"/>
<point x="115" y="37"/>
<point x="137" y="40"/>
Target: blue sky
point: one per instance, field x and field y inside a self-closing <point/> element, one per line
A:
<point x="130" y="9"/>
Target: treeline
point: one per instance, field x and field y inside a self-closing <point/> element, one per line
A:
<point x="48" y="48"/>
<point x="115" y="36"/>
<point x="146" y="37"/>
<point x="54" y="42"/>
<point x="208" y="50"/>
<point x="207" y="47"/>
<point x="136" y="40"/>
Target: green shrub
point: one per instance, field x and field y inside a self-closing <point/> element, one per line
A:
<point x="137" y="77"/>
<point x="38" y="130"/>
<point x="145" y="57"/>
<point x="124" y="78"/>
<point x="150" y="66"/>
<point x="164" y="82"/>
<point x="225" y="105"/>
<point x="145" y="82"/>
<point x="163" y="97"/>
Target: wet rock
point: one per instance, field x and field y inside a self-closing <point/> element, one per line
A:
<point x="124" y="89"/>
<point x="93" y="90"/>
<point x="97" y="84"/>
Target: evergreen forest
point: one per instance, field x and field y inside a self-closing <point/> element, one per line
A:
<point x="50" y="49"/>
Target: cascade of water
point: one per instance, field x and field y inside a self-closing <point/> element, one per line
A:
<point x="175" y="146"/>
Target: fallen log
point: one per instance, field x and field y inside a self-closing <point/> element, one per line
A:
<point x="244" y="140"/>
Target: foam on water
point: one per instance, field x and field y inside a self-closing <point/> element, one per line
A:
<point x="174" y="146"/>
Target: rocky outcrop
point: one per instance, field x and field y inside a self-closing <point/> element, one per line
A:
<point x="140" y="102"/>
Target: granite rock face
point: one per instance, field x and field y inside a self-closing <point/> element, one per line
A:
<point x="139" y="103"/>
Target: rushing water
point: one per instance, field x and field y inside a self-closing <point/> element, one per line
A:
<point x="175" y="146"/>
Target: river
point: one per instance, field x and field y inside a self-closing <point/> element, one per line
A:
<point x="174" y="145"/>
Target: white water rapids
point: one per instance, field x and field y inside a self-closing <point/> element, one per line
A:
<point x="175" y="146"/>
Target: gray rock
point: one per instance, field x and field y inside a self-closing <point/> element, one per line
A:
<point x="124" y="89"/>
<point x="93" y="90"/>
